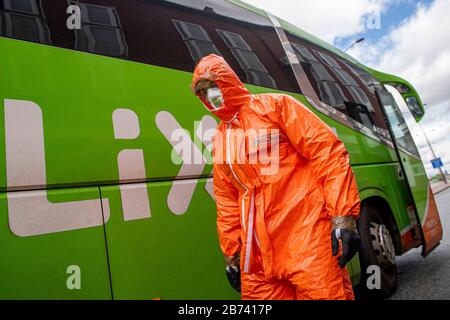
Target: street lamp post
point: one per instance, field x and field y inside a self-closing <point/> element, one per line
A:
<point x="354" y="43"/>
<point x="434" y="155"/>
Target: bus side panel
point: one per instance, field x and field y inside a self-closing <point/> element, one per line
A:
<point x="85" y="102"/>
<point x="384" y="180"/>
<point x="43" y="256"/>
<point x="432" y="227"/>
<point x="166" y="255"/>
<point x="418" y="181"/>
<point x="425" y="203"/>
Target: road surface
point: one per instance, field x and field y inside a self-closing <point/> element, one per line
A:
<point x="429" y="278"/>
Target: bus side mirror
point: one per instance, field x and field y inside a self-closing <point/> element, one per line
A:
<point x="411" y="98"/>
<point x="415" y="108"/>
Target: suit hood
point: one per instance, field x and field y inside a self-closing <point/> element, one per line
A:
<point x="235" y="94"/>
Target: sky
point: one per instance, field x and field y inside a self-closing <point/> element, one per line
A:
<point x="407" y="38"/>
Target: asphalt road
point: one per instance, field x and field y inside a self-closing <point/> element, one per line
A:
<point x="429" y="278"/>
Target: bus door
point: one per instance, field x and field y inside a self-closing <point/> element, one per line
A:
<point x="415" y="175"/>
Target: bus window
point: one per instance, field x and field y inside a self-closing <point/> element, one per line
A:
<point x="360" y="113"/>
<point x="331" y="94"/>
<point x="329" y="90"/>
<point x="356" y="93"/>
<point x="327" y="59"/>
<point x="196" y="39"/>
<point x="23" y="6"/>
<point x="364" y="93"/>
<point x="371" y="83"/>
<point x="248" y="60"/>
<point x="360" y="97"/>
<point x="339" y="85"/>
<point x="100" y="31"/>
<point x="175" y="34"/>
<point x="344" y="77"/>
<point x="398" y="125"/>
<point x="24" y="20"/>
<point x="320" y="73"/>
<point x="304" y="53"/>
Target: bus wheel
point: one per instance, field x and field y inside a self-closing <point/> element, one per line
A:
<point x="377" y="250"/>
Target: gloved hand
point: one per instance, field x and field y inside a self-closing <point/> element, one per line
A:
<point x="233" y="272"/>
<point x="344" y="229"/>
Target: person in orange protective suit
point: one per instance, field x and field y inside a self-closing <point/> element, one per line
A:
<point x="280" y="231"/>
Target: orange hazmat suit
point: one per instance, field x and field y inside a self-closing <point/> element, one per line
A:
<point x="277" y="216"/>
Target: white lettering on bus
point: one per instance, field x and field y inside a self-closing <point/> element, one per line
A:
<point x="135" y="201"/>
<point x="31" y="213"/>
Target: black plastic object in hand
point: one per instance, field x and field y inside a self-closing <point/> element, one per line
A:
<point x="350" y="245"/>
<point x="234" y="277"/>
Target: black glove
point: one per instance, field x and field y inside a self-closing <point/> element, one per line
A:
<point x="350" y="244"/>
<point x="234" y="277"/>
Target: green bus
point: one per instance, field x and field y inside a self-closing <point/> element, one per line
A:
<point x="92" y="204"/>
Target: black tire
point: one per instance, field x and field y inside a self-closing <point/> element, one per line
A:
<point x="376" y="249"/>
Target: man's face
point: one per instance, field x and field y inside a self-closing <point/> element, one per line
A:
<point x="209" y="92"/>
<point x="202" y="88"/>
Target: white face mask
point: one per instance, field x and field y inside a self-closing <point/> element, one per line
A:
<point x="215" y="98"/>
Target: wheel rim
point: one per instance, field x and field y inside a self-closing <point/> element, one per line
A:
<point x="382" y="244"/>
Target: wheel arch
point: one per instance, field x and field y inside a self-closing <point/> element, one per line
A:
<point x="383" y="207"/>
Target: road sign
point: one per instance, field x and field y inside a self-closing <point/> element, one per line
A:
<point x="437" y="163"/>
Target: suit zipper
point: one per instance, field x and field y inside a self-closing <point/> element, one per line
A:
<point x="235" y="176"/>
<point x="250" y="231"/>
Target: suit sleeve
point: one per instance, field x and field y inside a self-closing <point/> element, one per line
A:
<point x="314" y="140"/>
<point x="228" y="214"/>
